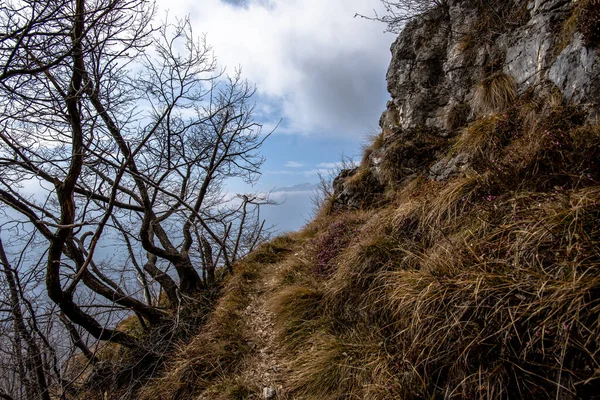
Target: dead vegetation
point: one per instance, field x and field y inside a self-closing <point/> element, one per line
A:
<point x="484" y="286"/>
<point x="404" y="158"/>
<point x="583" y="18"/>
<point x="495" y="93"/>
<point x="211" y="361"/>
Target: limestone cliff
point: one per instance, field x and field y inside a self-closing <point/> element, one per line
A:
<point x="468" y="59"/>
<point x="439" y="59"/>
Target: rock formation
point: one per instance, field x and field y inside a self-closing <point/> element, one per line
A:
<point x="448" y="65"/>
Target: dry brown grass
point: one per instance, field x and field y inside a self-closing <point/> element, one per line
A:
<point x="485" y="286"/>
<point x="495" y="93"/>
<point x="375" y="142"/>
<point x="361" y="180"/>
<point x="409" y="155"/>
<point x="516" y="300"/>
<point x="485" y="139"/>
<point x="212" y="359"/>
<point x="341" y="367"/>
<point x="506" y="309"/>
<point x="298" y="312"/>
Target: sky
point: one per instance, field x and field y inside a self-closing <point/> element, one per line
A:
<point x="317" y="69"/>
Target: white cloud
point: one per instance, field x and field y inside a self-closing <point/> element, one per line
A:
<point x="330" y="165"/>
<point x="323" y="68"/>
<point x="305" y="173"/>
<point x="293" y="164"/>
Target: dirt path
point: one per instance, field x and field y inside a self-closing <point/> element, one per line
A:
<point x="265" y="369"/>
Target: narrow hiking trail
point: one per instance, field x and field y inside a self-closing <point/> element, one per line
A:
<point x="264" y="369"/>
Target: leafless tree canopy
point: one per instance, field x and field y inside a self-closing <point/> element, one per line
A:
<point x="115" y="134"/>
<point x="398" y="12"/>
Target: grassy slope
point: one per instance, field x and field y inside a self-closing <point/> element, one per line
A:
<point x="212" y="362"/>
<point x="483" y="286"/>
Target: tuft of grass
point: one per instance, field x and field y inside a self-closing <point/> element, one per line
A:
<point x="449" y="205"/>
<point x="298" y="311"/>
<point x="376" y="143"/>
<point x="485" y="139"/>
<point x="353" y="366"/>
<point x="495" y="93"/>
<point x="357" y="267"/>
<point x="360" y="180"/>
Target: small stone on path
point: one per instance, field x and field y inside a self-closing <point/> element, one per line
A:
<point x="269" y="393"/>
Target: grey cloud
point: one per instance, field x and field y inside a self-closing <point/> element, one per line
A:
<point x="344" y="91"/>
<point x="238" y="3"/>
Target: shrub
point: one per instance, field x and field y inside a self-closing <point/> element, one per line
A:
<point x="331" y="243"/>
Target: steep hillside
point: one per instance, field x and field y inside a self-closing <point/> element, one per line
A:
<point x="461" y="259"/>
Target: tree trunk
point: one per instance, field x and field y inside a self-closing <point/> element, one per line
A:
<point x="209" y="262"/>
<point x="33" y="350"/>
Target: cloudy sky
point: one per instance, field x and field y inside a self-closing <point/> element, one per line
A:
<point x="316" y="67"/>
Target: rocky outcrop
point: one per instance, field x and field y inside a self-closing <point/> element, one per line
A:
<point x="447" y="168"/>
<point x="448" y="65"/>
<point x="438" y="60"/>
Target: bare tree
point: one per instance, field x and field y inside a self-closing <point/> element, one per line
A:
<point x="28" y="364"/>
<point x="398" y="12"/>
<point x="115" y="133"/>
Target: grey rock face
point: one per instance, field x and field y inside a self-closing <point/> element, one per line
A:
<point x="441" y="58"/>
<point x="576" y="72"/>
<point x="436" y="63"/>
<point x="416" y="73"/>
<point x="447" y="168"/>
